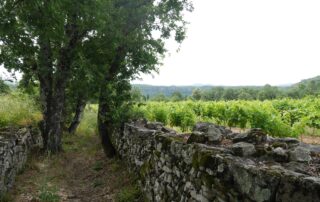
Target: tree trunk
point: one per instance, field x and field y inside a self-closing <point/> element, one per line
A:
<point x="61" y="78"/>
<point x="46" y="112"/>
<point x="105" y="120"/>
<point x="81" y="104"/>
<point x="44" y="70"/>
<point x="52" y="90"/>
<point x="53" y="78"/>
<point x="54" y="134"/>
<point x="105" y="125"/>
<point x="53" y="105"/>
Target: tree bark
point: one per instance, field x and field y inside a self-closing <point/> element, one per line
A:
<point x="105" y="121"/>
<point x="44" y="70"/>
<point x="81" y="104"/>
<point x="105" y="127"/>
<point x="53" y="83"/>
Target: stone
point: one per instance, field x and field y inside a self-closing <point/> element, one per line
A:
<point x="261" y="195"/>
<point x="279" y="144"/>
<point x="257" y="168"/>
<point x="256" y="136"/>
<point x="201" y="126"/>
<point x="243" y="149"/>
<point x="206" y="134"/>
<point x="168" y="130"/>
<point x="214" y="135"/>
<point x="14" y="149"/>
<point x="279" y="154"/>
<point x="204" y="127"/>
<point x="197" y="137"/>
<point x="291" y="142"/>
<point x="296" y="167"/>
<point x="220" y="168"/>
<point x="154" y="125"/>
<point x="300" y="154"/>
<point x="314" y="149"/>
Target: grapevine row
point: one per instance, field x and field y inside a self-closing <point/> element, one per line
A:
<point x="285" y="117"/>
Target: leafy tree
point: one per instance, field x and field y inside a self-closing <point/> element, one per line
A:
<point x="176" y="96"/>
<point x="136" y="95"/>
<point x="312" y="87"/>
<point x="196" y="94"/>
<point x="159" y="98"/>
<point x="134" y="48"/>
<point x="4" y="88"/>
<point x="43" y="39"/>
<point x="244" y="96"/>
<point x="213" y="94"/>
<point x="229" y="94"/>
<point x="268" y="92"/>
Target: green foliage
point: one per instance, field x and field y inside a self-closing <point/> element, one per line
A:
<point x="196" y="94"/>
<point x="4" y="88"/>
<point x="181" y="116"/>
<point x="188" y="120"/>
<point x="18" y="109"/>
<point x="128" y="194"/>
<point x="160" y="114"/>
<point x="88" y="124"/>
<point x="48" y="194"/>
<point x="5" y="198"/>
<point x="136" y="95"/>
<point x="209" y="93"/>
<point x="176" y="116"/>
<point x="137" y="112"/>
<point x="98" y="166"/>
<point x="238" y="115"/>
<point x="159" y="98"/>
<point x="285" y="117"/>
<point x="176" y="96"/>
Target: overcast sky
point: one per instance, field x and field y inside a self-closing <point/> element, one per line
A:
<point x="247" y="42"/>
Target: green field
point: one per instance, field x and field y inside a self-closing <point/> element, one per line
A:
<point x="18" y="109"/>
<point x="284" y="117"/>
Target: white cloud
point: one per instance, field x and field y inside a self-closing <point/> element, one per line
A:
<point x="248" y="42"/>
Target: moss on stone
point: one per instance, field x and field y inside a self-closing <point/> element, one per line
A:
<point x="280" y="144"/>
<point x="208" y="180"/>
<point x="157" y="153"/>
<point x="176" y="138"/>
<point x="166" y="141"/>
<point x="203" y="159"/>
<point x="146" y="167"/>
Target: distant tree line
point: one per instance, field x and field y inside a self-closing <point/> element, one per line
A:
<point x="267" y="92"/>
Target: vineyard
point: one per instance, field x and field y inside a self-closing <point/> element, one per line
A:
<point x="283" y="117"/>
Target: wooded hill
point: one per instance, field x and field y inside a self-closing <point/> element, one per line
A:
<point x="304" y="87"/>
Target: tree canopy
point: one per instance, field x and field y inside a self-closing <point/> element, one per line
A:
<point x="75" y="50"/>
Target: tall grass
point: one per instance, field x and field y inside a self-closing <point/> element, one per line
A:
<point x="18" y="109"/>
<point x="88" y="124"/>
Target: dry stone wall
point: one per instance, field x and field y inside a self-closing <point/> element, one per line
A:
<point x="215" y="164"/>
<point x="15" y="144"/>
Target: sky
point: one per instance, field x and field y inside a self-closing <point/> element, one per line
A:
<point x="247" y="42"/>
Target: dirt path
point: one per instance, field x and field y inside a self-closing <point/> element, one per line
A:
<point x="310" y="139"/>
<point x="80" y="174"/>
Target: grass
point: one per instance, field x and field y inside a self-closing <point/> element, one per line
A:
<point x="18" y="109"/>
<point x="6" y="198"/>
<point x="81" y="171"/>
<point x="130" y="193"/>
<point x="88" y="124"/>
<point x="312" y="132"/>
<point x="48" y="194"/>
